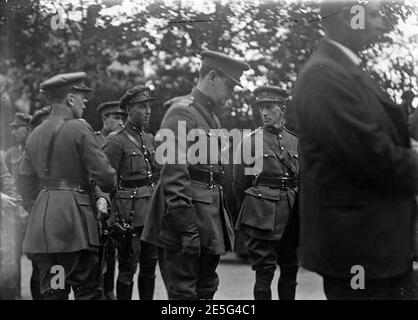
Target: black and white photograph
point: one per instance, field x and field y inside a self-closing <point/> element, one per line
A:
<point x="230" y="150"/>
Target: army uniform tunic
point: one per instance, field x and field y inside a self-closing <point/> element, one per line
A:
<point x="63" y="229"/>
<point x="131" y="152"/>
<point x="181" y="200"/>
<point x="267" y="221"/>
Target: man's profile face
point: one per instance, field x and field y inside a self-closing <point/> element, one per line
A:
<point x="113" y="121"/>
<point x="78" y="104"/>
<point x="20" y="133"/>
<point x="223" y="88"/>
<point x="271" y="114"/>
<point x="140" y="113"/>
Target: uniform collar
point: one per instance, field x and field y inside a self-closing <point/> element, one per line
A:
<point x="273" y="130"/>
<point x="130" y="126"/>
<point x="347" y="52"/>
<point x="62" y="112"/>
<point x="203" y="100"/>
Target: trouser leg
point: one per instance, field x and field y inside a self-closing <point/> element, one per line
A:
<point x="147" y="264"/>
<point x="129" y="249"/>
<point x="208" y="280"/>
<point x="180" y="274"/>
<point x="109" y="276"/>
<point x="78" y="270"/>
<point x="288" y="259"/>
<point x="263" y="258"/>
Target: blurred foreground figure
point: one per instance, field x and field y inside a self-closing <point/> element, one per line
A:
<point x="62" y="237"/>
<point x="131" y="152"/>
<point x="358" y="171"/>
<point x="189" y="221"/>
<point x="267" y="220"/>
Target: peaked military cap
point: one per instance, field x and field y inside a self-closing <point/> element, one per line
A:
<point x="137" y="94"/>
<point x="232" y="68"/>
<point x="39" y="115"/>
<point x="21" y="119"/>
<point x="71" y="81"/>
<point x="110" y="107"/>
<point x="269" y="94"/>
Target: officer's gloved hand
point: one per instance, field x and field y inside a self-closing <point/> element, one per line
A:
<point x="191" y="243"/>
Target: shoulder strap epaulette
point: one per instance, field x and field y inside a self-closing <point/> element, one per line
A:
<point x="290" y="131"/>
<point x="117" y="131"/>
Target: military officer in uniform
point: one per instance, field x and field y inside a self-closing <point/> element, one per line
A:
<point x="189" y="222"/>
<point x="113" y="118"/>
<point x="21" y="129"/>
<point x="267" y="221"/>
<point x="131" y="152"/>
<point x="63" y="229"/>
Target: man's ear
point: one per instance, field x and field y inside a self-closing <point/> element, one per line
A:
<point x="70" y="99"/>
<point x="212" y="74"/>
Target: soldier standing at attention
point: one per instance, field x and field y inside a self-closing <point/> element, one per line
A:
<point x="113" y="118"/>
<point x="131" y="152"/>
<point x="267" y="220"/>
<point x="189" y="222"/>
<point x="63" y="229"/>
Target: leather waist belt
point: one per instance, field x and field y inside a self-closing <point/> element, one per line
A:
<point x="282" y="183"/>
<point x="62" y="184"/>
<point x="209" y="177"/>
<point x="137" y="183"/>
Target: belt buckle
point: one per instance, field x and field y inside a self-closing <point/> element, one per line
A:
<point x="211" y="185"/>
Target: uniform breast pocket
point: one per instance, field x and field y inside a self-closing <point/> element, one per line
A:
<point x="135" y="162"/>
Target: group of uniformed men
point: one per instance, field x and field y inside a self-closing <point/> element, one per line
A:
<point x="92" y="195"/>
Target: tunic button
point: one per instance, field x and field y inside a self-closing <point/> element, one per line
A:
<point x="281" y="148"/>
<point x="296" y="156"/>
<point x="259" y="195"/>
<point x="280" y="136"/>
<point x="134" y="153"/>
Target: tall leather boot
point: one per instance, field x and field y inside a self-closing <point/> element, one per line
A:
<point x="109" y="280"/>
<point x="262" y="293"/>
<point x="124" y="291"/>
<point x="146" y="287"/>
<point x="286" y="289"/>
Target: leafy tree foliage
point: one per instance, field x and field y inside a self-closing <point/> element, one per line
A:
<point x="157" y="42"/>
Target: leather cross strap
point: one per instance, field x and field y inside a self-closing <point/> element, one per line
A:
<point x="285" y="163"/>
<point x="50" y="151"/>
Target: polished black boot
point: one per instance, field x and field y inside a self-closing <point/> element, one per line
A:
<point x="262" y="293"/>
<point x="124" y="291"/>
<point x="146" y="287"/>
